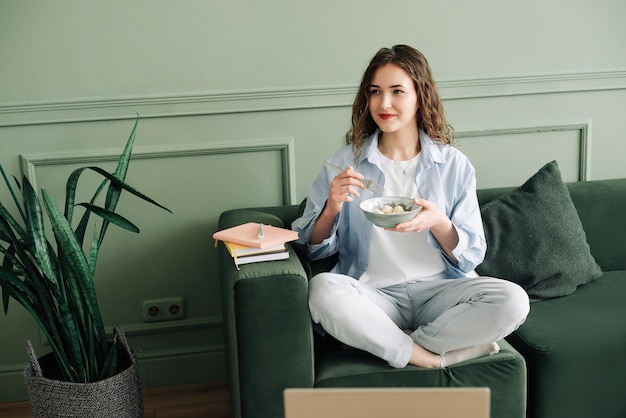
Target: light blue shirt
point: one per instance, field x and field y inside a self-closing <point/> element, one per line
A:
<point x="444" y="176"/>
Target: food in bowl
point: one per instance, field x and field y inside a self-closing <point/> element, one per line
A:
<point x="388" y="211"/>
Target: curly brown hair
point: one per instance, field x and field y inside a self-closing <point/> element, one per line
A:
<point x="430" y="114"/>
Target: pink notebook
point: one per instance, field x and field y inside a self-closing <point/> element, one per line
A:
<point x="248" y="234"/>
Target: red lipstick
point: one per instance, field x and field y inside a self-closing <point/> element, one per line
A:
<point x="386" y="116"/>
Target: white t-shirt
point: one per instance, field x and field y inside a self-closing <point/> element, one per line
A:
<point x="397" y="257"/>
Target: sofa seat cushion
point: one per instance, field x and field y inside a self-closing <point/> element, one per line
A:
<point x="575" y="347"/>
<point x="354" y="368"/>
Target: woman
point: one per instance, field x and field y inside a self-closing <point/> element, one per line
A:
<point x="407" y="294"/>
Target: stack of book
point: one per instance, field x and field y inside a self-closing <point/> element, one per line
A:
<point x="242" y="254"/>
<point x="253" y="242"/>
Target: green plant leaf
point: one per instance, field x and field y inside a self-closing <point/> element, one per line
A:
<point x="75" y="261"/>
<point x="70" y="193"/>
<point x="33" y="293"/>
<point x="82" y="226"/>
<point x="55" y="284"/>
<point x="13" y="194"/>
<point x="108" y="369"/>
<point x="112" y="196"/>
<point x="73" y="341"/>
<point x="22" y="249"/>
<point x="25" y="296"/>
<point x="12" y="284"/>
<point x="11" y="222"/>
<point x="124" y="186"/>
<point x="8" y="264"/>
<point x="111" y="217"/>
<point x="119" y="183"/>
<point x="36" y="233"/>
<point x="113" y="193"/>
<point x="5" y="296"/>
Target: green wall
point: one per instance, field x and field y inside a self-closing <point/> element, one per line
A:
<point x="240" y="101"/>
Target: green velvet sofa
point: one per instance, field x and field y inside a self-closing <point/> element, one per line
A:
<point x="575" y="345"/>
<point x="572" y="348"/>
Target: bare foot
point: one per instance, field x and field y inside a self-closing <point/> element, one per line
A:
<point x="421" y="357"/>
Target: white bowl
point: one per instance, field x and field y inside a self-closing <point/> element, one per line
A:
<point x="373" y="210"/>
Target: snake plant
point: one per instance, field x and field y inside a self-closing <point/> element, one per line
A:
<point x="54" y="281"/>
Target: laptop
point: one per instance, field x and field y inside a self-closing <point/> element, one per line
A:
<point x="387" y="403"/>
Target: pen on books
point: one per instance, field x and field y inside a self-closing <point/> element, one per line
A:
<point x="259" y="234"/>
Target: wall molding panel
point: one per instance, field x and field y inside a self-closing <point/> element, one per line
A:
<point x="284" y="146"/>
<point x="202" y="104"/>
<point x="581" y="129"/>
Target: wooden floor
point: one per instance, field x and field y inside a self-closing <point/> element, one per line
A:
<point x="188" y="401"/>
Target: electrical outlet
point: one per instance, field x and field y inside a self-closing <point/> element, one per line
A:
<point x="166" y="309"/>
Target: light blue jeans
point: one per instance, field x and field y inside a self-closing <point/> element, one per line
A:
<point x="442" y="315"/>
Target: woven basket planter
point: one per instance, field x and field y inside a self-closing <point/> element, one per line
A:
<point x="118" y="396"/>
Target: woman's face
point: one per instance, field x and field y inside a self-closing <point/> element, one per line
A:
<point x="393" y="100"/>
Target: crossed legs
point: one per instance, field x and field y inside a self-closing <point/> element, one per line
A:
<point x="451" y="320"/>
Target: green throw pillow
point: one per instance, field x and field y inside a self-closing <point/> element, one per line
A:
<point x="535" y="238"/>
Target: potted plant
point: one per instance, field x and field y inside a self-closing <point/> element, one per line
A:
<point x="54" y="281"/>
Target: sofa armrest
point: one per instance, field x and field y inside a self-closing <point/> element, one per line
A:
<point x="268" y="331"/>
